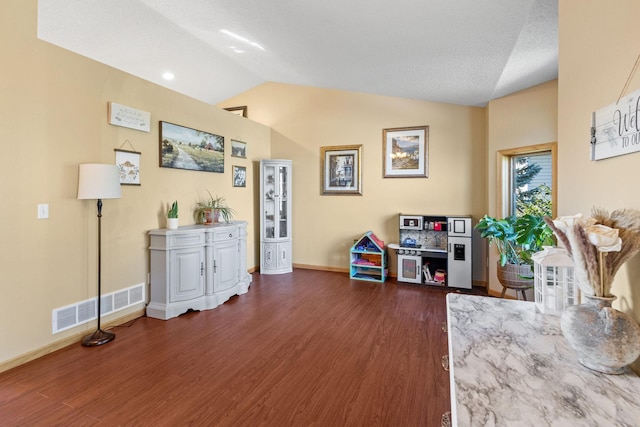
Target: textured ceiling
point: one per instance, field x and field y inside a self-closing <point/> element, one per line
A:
<point x="464" y="52"/>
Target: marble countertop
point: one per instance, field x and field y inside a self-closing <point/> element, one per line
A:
<point x="510" y="366"/>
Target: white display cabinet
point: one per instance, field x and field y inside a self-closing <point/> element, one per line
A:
<point x="275" y="217"/>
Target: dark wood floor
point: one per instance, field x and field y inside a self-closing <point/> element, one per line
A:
<point x="309" y="348"/>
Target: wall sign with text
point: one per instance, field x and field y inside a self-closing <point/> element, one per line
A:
<point x="129" y="117"/>
<point x="616" y="128"/>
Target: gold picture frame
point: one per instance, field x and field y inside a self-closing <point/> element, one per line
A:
<point x="405" y="152"/>
<point x="341" y="171"/>
<point x="238" y="111"/>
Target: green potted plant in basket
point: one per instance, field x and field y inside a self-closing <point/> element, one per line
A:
<point x="517" y="239"/>
<point x="213" y="209"/>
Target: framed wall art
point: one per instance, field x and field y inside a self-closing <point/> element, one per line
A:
<point x="341" y="171"/>
<point x="128" y="163"/>
<point x="238" y="111"/>
<point x="238" y="149"/>
<point x="185" y="148"/>
<point x="405" y="152"/>
<point x="615" y="128"/>
<point x="129" y="117"/>
<point x="239" y="176"/>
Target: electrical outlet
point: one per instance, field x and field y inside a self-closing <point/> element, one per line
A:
<point x="43" y="211"/>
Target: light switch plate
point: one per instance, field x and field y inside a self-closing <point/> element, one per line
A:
<point x="43" y="211"/>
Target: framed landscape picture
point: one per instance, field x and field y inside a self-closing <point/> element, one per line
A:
<point x="238" y="149"/>
<point x="405" y="152"/>
<point x="341" y="172"/>
<point x="185" y="148"/>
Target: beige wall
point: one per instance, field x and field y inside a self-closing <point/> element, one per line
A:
<point x="528" y="117"/>
<point x="53" y="115"/>
<point x="597" y="55"/>
<point x="303" y="119"/>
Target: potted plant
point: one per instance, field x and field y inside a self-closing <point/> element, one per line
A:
<point x="172" y="216"/>
<point x="517" y="239"/>
<point x="212" y="210"/>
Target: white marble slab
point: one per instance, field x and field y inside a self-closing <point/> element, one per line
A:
<point x="511" y="366"/>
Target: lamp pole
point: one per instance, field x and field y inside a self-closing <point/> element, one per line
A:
<point x="99" y="337"/>
<point x="99" y="182"/>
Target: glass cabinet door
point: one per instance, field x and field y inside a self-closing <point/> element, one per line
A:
<point x="269" y="202"/>
<point x="283" y="178"/>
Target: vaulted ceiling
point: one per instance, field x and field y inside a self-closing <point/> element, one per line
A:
<point x="465" y="52"/>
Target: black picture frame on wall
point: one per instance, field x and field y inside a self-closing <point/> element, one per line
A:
<point x="239" y="176"/>
<point x="182" y="147"/>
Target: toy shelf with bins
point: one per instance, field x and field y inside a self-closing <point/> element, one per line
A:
<point x="368" y="259"/>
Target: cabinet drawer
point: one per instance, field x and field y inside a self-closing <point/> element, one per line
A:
<point x="185" y="240"/>
<point x="227" y="234"/>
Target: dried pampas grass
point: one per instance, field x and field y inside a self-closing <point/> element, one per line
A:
<point x="594" y="270"/>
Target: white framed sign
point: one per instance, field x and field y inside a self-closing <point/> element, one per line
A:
<point x="616" y="128"/>
<point x="129" y="117"/>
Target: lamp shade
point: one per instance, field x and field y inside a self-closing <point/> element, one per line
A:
<point x="97" y="181"/>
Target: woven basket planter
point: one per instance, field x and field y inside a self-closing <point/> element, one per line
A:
<point x="511" y="276"/>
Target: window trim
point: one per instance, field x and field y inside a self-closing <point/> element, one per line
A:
<point x="504" y="176"/>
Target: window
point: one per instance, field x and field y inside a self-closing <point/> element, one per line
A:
<point x="531" y="184"/>
<point x="527" y="180"/>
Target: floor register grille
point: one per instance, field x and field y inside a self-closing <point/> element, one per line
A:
<point x="67" y="317"/>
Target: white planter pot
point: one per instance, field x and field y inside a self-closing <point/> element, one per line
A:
<point x="172" y="223"/>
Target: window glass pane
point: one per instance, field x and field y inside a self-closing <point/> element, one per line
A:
<point x="531" y="184"/>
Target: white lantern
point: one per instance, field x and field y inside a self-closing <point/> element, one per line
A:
<point x="553" y="284"/>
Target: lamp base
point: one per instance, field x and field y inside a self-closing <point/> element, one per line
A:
<point x="99" y="337"/>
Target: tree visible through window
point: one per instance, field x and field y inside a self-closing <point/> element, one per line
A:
<point x="531" y="177"/>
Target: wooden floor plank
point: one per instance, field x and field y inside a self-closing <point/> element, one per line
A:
<point x="309" y="348"/>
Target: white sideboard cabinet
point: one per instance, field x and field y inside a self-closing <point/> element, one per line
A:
<point x="275" y="217"/>
<point x="197" y="267"/>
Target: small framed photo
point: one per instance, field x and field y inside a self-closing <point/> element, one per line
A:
<point x="341" y="171"/>
<point x="128" y="163"/>
<point x="238" y="149"/>
<point x="239" y="176"/>
<point x="405" y="152"/>
<point x="238" y="111"/>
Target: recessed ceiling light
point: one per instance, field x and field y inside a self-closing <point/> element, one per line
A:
<point x="242" y="39"/>
<point x="168" y="75"/>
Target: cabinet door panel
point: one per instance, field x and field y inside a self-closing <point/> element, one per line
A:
<point x="459" y="259"/>
<point x="187" y="274"/>
<point x="269" y="256"/>
<point x="225" y="265"/>
<point x="269" y="196"/>
<point x="284" y="256"/>
<point x="283" y="203"/>
<point x="409" y="268"/>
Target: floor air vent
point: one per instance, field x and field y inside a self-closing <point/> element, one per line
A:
<point x="84" y="311"/>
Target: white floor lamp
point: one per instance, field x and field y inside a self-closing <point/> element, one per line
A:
<point x="97" y="181"/>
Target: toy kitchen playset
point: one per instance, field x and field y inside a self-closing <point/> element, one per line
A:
<point x="435" y="250"/>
